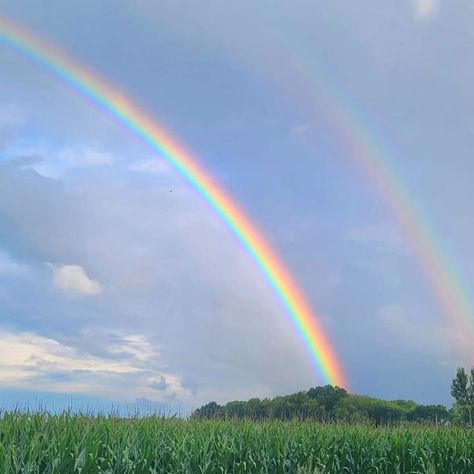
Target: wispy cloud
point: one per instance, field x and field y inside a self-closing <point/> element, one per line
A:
<point x="86" y="157"/>
<point x="29" y="360"/>
<point x="56" y="162"/>
<point x="134" y="345"/>
<point x="155" y="165"/>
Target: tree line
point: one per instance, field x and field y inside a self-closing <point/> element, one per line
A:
<point x="329" y="403"/>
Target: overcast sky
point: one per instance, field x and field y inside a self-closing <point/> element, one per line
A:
<point x="118" y="284"/>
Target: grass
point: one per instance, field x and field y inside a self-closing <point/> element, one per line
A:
<point x="40" y="443"/>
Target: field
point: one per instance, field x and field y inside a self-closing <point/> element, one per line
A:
<point x="40" y="443"/>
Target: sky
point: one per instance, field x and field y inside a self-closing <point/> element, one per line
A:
<point x="119" y="285"/>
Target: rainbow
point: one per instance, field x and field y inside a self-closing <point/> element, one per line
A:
<point x="108" y="99"/>
<point x="369" y="155"/>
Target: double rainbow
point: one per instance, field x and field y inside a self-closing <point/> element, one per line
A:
<point x="359" y="143"/>
<point x="122" y="109"/>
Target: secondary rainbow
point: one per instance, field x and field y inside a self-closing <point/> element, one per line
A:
<point x="362" y="146"/>
<point x="116" y="104"/>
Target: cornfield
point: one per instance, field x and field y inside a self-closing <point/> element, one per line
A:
<point x="68" y="443"/>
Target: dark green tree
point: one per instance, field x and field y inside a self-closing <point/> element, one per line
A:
<point x="462" y="389"/>
<point x="353" y="408"/>
<point x="429" y="413"/>
<point x="210" y="410"/>
<point x="236" y="409"/>
<point x="327" y="397"/>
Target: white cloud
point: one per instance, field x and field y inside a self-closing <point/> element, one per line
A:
<point x="55" y="163"/>
<point x="74" y="278"/>
<point x="29" y="360"/>
<point x="134" y="345"/>
<point x="426" y="8"/>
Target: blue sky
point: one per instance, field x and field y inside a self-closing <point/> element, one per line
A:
<point x="118" y="285"/>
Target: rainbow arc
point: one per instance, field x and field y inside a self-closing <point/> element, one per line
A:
<point x="122" y="109"/>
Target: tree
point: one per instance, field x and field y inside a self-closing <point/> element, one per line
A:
<point x="353" y="408"/>
<point x="429" y="413"/>
<point x="407" y="405"/>
<point x="327" y="397"/>
<point x="236" y="409"/>
<point x="210" y="410"/>
<point x="462" y="389"/>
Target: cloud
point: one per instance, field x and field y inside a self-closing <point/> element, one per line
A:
<point x="86" y="156"/>
<point x="30" y="360"/>
<point x="174" y="271"/>
<point x="155" y="165"/>
<point x="178" y="275"/>
<point x="56" y="162"/>
<point x="134" y="345"/>
<point x="159" y="384"/>
<point x="426" y="8"/>
<point x="74" y="278"/>
<point x="26" y="354"/>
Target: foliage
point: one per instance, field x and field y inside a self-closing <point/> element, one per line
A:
<point x="354" y="407"/>
<point x="211" y="410"/>
<point x="39" y="443"/>
<point x="462" y="389"/>
<point x="432" y="413"/>
<point x="327" y="404"/>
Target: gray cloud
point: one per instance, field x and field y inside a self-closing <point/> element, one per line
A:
<point x="200" y="300"/>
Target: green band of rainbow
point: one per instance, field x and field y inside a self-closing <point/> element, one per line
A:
<point x="131" y="116"/>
